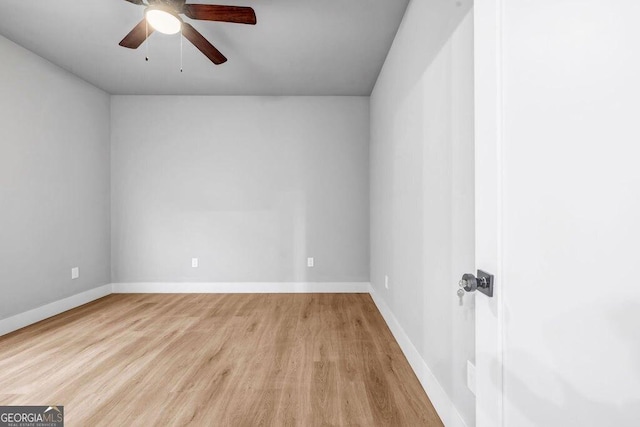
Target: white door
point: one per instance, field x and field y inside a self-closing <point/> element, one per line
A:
<point x="488" y="111"/>
<point x="558" y="212"/>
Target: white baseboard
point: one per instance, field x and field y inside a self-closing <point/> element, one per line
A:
<point x="441" y="401"/>
<point x="240" y="288"/>
<point x="30" y="317"/>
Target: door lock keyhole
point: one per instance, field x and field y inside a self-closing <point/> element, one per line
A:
<point x="468" y="282"/>
<point x="482" y="283"/>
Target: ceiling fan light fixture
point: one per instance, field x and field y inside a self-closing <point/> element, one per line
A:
<point x="163" y="21"/>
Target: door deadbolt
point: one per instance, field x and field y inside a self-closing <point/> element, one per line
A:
<point x="482" y="283"/>
<point x="468" y="282"/>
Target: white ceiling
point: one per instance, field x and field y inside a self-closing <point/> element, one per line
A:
<point x="298" y="47"/>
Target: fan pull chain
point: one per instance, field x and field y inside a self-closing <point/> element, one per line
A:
<point x="181" y="37"/>
<point x="146" y="45"/>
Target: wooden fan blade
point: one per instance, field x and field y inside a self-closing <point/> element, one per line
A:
<point x="203" y="44"/>
<point x="212" y="12"/>
<point x="136" y="36"/>
<point x="138" y="2"/>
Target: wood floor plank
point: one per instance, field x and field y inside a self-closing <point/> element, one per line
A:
<point x="216" y="359"/>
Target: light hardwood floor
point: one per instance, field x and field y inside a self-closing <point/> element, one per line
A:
<point x="216" y="360"/>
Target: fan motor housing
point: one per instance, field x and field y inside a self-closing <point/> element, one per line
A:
<point x="171" y="4"/>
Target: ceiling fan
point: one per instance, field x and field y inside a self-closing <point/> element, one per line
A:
<point x="164" y="16"/>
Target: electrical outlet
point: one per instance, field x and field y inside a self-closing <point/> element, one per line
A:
<point x="471" y="377"/>
<point x="310" y="262"/>
<point x="194" y="262"/>
<point x="386" y="282"/>
<point x="75" y="273"/>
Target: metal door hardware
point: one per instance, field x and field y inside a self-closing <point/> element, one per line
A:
<point x="482" y="283"/>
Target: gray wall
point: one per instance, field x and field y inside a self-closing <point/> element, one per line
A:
<point x="251" y="186"/>
<point x="54" y="182"/>
<point x="422" y="188"/>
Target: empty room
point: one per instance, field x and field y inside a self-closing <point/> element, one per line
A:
<point x="319" y="213"/>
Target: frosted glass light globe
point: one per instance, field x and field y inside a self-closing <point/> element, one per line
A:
<point x="163" y="21"/>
